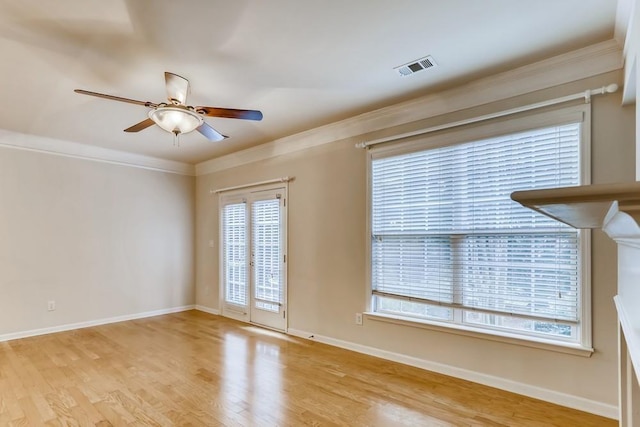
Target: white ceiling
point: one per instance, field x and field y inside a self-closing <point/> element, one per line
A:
<point x="302" y="63"/>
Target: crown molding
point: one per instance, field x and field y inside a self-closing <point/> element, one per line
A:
<point x="20" y="141"/>
<point x="576" y="65"/>
<point x="624" y="15"/>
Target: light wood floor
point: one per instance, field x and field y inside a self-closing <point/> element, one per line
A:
<point x="196" y="369"/>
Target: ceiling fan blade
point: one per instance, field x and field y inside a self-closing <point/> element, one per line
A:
<point x="210" y="133"/>
<point x="230" y="113"/>
<point x="116" y="98"/>
<point x="140" y="126"/>
<point x="177" y="87"/>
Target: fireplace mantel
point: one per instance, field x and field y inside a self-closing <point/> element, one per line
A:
<point x="586" y="206"/>
<point x="615" y="208"/>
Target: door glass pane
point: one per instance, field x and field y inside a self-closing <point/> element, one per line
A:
<point x="267" y="254"/>
<point x="234" y="238"/>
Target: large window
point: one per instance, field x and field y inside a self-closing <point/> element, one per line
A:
<point x="448" y="245"/>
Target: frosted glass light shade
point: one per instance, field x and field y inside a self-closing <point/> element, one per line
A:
<point x="176" y="120"/>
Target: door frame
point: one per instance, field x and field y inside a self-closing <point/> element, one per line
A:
<point x="243" y="313"/>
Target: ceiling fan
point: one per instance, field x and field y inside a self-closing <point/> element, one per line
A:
<point x="175" y="116"/>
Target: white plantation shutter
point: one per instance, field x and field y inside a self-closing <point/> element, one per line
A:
<point x="267" y="253"/>
<point x="445" y="231"/>
<point x="234" y="247"/>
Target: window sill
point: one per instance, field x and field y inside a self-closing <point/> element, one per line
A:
<point x="505" y="337"/>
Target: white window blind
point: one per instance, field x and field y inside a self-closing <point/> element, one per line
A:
<point x="267" y="253"/>
<point x="446" y="236"/>
<point x="234" y="247"/>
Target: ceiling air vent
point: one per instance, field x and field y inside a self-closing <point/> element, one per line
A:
<point x="415" y="66"/>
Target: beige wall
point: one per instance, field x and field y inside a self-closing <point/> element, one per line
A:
<point x="101" y="240"/>
<point x="327" y="246"/>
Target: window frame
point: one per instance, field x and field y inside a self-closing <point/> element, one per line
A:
<point x="489" y="129"/>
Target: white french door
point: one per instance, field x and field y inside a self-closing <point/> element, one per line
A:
<point x="253" y="256"/>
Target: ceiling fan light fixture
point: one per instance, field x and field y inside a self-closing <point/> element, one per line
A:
<point x="176" y="120"/>
<point x="176" y="117"/>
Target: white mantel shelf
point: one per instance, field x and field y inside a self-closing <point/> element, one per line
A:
<point x="615" y="208"/>
<point x="585" y="206"/>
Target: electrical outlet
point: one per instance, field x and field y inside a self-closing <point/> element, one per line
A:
<point x="51" y="305"/>
<point x="211" y="243"/>
<point x="358" y="318"/>
<point x="206" y="290"/>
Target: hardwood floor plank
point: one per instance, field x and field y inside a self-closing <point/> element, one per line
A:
<point x="31" y="412"/>
<point x="84" y="406"/>
<point x="197" y="369"/>
<point x="22" y="422"/>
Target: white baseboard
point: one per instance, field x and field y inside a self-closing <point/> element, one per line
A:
<point x="571" y="401"/>
<point x="90" y="323"/>
<point x="208" y="310"/>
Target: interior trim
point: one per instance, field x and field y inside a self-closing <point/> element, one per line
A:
<point x="20" y="141"/>
<point x="209" y="310"/>
<point x="90" y="323"/>
<point x="556" y="397"/>
<point x="485" y="334"/>
<point x="569" y="67"/>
